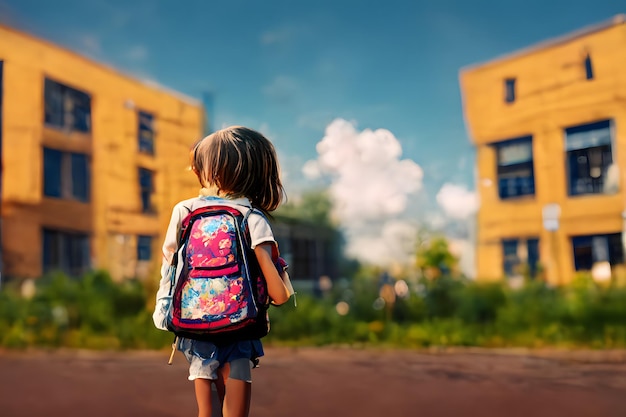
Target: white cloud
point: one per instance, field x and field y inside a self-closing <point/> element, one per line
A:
<point x="370" y="184"/>
<point x="457" y="201"/>
<point x="391" y="242"/>
<point x="369" y="180"/>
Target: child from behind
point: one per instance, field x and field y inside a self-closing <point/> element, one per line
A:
<point x="236" y="166"/>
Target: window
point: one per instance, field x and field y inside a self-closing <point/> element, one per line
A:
<point x="520" y="253"/>
<point x="65" y="251"/>
<point x="144" y="248"/>
<point x="589" y="157"/>
<point x="66" y="108"/>
<point x="146" y="132"/>
<point x="66" y="175"/>
<point x="588" y="68"/>
<point x="515" y="170"/>
<point x="597" y="248"/>
<point x="146" y="187"/>
<point x="509" y="90"/>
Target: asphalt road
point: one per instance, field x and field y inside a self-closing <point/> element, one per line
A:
<point x="324" y="382"/>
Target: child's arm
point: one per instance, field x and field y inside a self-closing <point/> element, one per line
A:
<point x="170" y="247"/>
<point x="276" y="288"/>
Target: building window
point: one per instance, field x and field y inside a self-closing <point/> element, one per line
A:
<point x="66" y="252"/>
<point x="146" y="132"/>
<point x="520" y="257"/>
<point x="66" y="107"/>
<point x="146" y="189"/>
<point x="66" y="175"/>
<point x="588" y="68"/>
<point x="589" y="157"/>
<point x="597" y="248"/>
<point x="515" y="170"/>
<point x="144" y="248"/>
<point x="509" y="90"/>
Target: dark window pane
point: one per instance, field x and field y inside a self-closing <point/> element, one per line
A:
<point x="509" y="90"/>
<point x="65" y="251"/>
<point x="81" y="111"/>
<point x="146" y="132"/>
<point x="146" y="189"/>
<point x="66" y="107"/>
<point x="52" y="169"/>
<point x="616" y="249"/>
<point x="589" y="157"/>
<point x="588" y="68"/>
<point x="80" y="177"/>
<point x="533" y="256"/>
<point x="144" y="248"/>
<point x="597" y="248"/>
<point x="515" y="168"/>
<point x="510" y="258"/>
<point x="53" y="107"/>
<point x="51" y="250"/>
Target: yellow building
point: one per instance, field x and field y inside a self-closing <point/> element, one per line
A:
<point x="549" y="126"/>
<point x="92" y="162"/>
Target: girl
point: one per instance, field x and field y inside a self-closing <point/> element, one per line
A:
<point x="236" y="166"/>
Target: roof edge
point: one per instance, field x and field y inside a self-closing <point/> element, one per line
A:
<point x="616" y="20"/>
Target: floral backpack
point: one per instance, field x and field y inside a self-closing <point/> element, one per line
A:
<point x="220" y="295"/>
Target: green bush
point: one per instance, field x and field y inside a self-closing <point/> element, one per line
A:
<point x="95" y="312"/>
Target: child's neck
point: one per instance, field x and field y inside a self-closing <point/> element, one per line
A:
<point x="210" y="192"/>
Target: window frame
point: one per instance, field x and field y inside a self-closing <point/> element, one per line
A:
<point x="513" y="261"/>
<point x="504" y="168"/>
<point x="66" y="251"/>
<point x="597" y="184"/>
<point x="66" y="108"/>
<point x="588" y="64"/>
<point x="510" y="90"/>
<point x="62" y="183"/>
<point x="144" y="144"/>
<point x="587" y="243"/>
<point x="144" y="242"/>
<point x="146" y="191"/>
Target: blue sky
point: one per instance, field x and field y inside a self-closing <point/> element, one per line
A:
<point x="289" y="68"/>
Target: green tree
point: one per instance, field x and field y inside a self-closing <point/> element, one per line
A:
<point x="314" y="206"/>
<point x="434" y="257"/>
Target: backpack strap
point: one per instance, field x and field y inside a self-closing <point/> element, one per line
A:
<point x="179" y="238"/>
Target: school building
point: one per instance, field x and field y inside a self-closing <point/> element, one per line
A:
<point x="549" y="126"/>
<point x="92" y="163"/>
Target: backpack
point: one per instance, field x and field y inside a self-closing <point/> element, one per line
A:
<point x="221" y="294"/>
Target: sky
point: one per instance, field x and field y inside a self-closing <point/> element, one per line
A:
<point x="331" y="83"/>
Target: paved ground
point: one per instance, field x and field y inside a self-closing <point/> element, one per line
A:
<point x="324" y="382"/>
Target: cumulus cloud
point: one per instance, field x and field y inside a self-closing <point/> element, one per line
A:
<point x="457" y="201"/>
<point x="370" y="185"/>
<point x="385" y="243"/>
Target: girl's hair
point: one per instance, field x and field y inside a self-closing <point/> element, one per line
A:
<point x="239" y="162"/>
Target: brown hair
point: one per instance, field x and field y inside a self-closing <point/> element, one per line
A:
<point x="240" y="162"/>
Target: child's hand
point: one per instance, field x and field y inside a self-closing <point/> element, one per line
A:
<point x="281" y="266"/>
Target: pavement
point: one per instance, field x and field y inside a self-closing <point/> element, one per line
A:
<point x="325" y="382"/>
